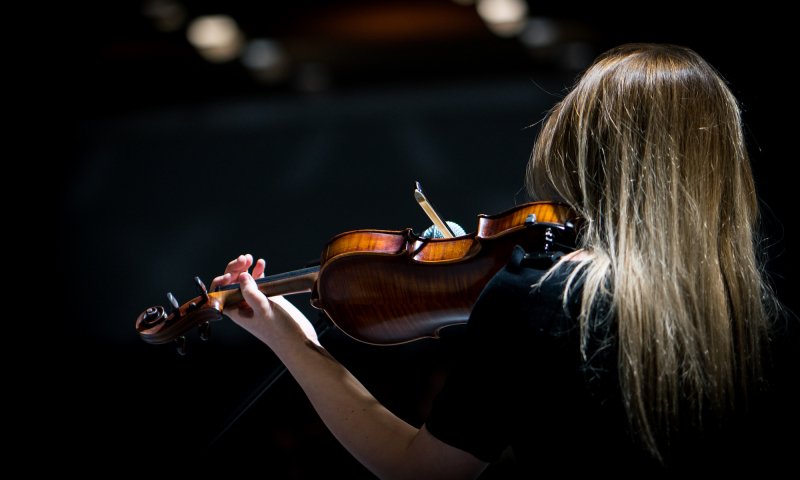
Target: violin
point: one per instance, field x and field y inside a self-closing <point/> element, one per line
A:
<point x="387" y="287"/>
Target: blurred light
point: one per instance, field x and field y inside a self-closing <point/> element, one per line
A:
<point x="216" y="37"/>
<point x="464" y="2"/>
<point x="539" y="32"/>
<point x="393" y="22"/>
<point x="167" y="15"/>
<point x="266" y="59"/>
<point x="505" y="18"/>
<point x="262" y="54"/>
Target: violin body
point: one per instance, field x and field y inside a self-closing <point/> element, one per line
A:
<point x="388" y="287"/>
<point x="433" y="282"/>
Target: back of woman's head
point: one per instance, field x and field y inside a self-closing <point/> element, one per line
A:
<point x="648" y="148"/>
<point x="646" y="127"/>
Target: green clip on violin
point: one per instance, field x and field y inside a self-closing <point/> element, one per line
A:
<point x="387" y="287"/>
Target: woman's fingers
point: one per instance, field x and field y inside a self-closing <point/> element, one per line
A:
<point x="234" y="264"/>
<point x="235" y="267"/>
<point x="254" y="298"/>
<point x="220" y="281"/>
<point x="258" y="269"/>
<point x="238" y="265"/>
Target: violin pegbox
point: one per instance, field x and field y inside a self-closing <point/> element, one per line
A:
<point x="158" y="325"/>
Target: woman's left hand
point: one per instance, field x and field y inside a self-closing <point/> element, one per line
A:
<point x="274" y="319"/>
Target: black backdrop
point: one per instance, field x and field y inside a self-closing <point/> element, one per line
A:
<point x="179" y="165"/>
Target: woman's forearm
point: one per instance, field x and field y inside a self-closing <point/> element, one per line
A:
<point x="384" y="443"/>
<point x="370" y="432"/>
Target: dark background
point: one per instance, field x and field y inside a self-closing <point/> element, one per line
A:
<point x="177" y="164"/>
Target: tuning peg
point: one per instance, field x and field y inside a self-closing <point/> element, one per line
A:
<point x="202" y="287"/>
<point x="176" y="308"/>
<point x="180" y="345"/>
<point x="205" y="330"/>
<point x="173" y="302"/>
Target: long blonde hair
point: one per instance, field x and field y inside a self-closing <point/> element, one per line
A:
<point x="648" y="149"/>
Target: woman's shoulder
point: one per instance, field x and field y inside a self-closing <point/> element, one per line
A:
<point x="526" y="292"/>
<point x="540" y="266"/>
<point x="535" y="274"/>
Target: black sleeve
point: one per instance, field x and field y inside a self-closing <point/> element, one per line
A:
<point x="480" y="403"/>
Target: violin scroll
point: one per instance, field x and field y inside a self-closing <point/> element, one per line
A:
<point x="156" y="325"/>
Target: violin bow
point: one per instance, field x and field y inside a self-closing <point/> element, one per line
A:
<point x="431" y="213"/>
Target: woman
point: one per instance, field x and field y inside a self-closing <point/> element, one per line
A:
<point x="639" y="350"/>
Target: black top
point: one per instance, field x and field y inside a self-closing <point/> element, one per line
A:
<point x="521" y="383"/>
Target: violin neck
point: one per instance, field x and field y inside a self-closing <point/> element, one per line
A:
<point x="287" y="283"/>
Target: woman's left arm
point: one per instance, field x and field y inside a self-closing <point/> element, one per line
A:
<point x="385" y="444"/>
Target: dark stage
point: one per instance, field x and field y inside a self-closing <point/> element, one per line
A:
<point x="181" y="163"/>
